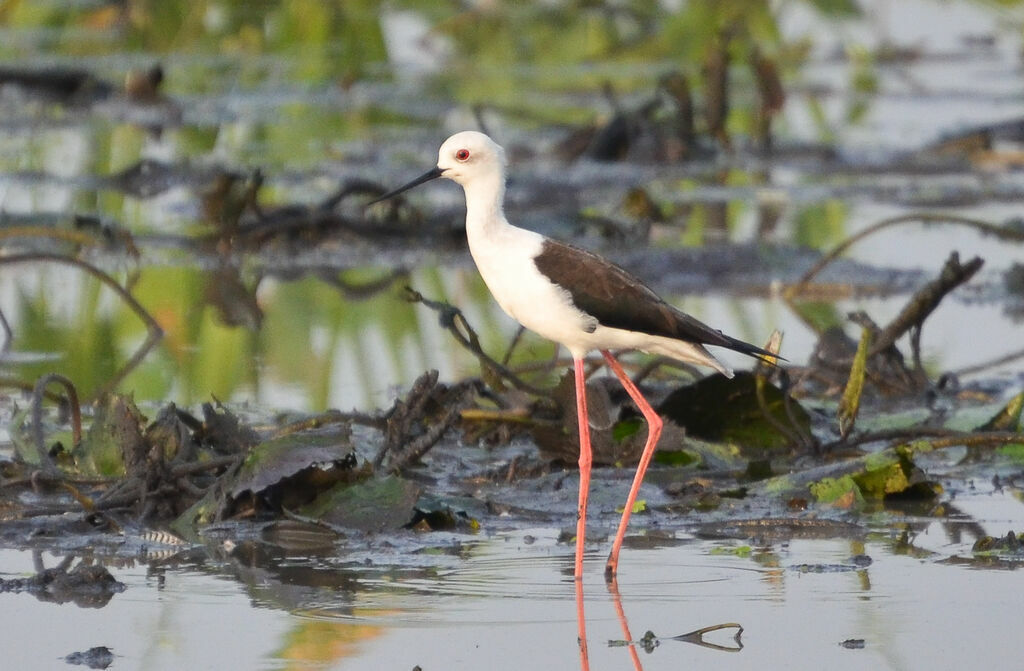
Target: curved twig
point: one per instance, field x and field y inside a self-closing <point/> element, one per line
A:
<point x="456" y="323"/>
<point x="155" y="333"/>
<point x="37" y="417"/>
<point x="985" y="227"/>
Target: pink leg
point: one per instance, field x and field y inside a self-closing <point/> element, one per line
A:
<point x="654" y="425"/>
<point x="585" y="461"/>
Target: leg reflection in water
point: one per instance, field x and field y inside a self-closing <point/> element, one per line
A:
<point x="581" y="622"/>
<point x="613" y="589"/>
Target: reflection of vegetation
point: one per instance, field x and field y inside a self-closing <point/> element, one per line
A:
<point x="340" y="42"/>
<point x="310" y="334"/>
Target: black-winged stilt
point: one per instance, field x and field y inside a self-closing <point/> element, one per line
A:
<point x="573" y="297"/>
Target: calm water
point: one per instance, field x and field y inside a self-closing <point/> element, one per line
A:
<point x="508" y="601"/>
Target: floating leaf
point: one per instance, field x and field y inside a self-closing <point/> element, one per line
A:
<point x="1009" y="545"/>
<point x="739" y="551"/>
<point x="378" y="504"/>
<point x="721" y="409"/>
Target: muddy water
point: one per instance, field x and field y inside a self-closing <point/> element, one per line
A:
<point x="507" y="600"/>
<point x="502" y="598"/>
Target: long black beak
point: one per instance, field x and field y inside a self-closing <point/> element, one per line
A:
<point x="425" y="177"/>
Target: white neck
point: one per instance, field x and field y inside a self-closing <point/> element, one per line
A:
<point x="484" y="199"/>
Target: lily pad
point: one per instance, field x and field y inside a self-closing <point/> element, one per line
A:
<point x="378" y="504"/>
<point x="720" y="409"/>
<point x="273" y="460"/>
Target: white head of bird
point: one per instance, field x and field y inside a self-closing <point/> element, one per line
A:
<point x="470" y="157"/>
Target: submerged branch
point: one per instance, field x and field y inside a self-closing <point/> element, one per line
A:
<point x="940" y="437"/>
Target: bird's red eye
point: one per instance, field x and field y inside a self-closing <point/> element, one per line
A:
<point x="462" y="154"/>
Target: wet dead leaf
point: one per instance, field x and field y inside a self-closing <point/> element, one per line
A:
<point x="224" y="432"/>
<point x="614" y="441"/>
<point x="443" y="519"/>
<point x="171" y="435"/>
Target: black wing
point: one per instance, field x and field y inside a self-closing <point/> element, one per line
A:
<point x="617" y="299"/>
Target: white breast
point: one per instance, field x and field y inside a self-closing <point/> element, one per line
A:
<point x="504" y="256"/>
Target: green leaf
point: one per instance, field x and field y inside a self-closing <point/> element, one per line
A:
<point x="877" y="483"/>
<point x="739" y="551"/>
<point x="1014" y="451"/>
<point x="675" y="458"/>
<point x="842" y="490"/>
<point x="1008" y="418"/>
<point x="639" y="506"/>
<point x="378" y="504"/>
<point x="627" y="428"/>
<point x="116" y="431"/>
<point x="821" y="224"/>
<point x="849" y="404"/>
